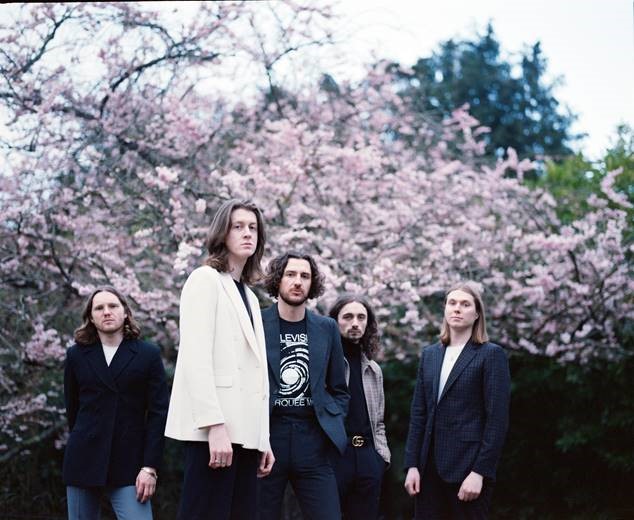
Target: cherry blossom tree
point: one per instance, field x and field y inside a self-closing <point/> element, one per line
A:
<point x="126" y="128"/>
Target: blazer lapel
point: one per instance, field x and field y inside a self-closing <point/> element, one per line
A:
<point x="97" y="361"/>
<point x="317" y="351"/>
<point x="271" y="322"/>
<point x="436" y="362"/>
<point x="125" y="353"/>
<point x="463" y="360"/>
<point x="243" y="316"/>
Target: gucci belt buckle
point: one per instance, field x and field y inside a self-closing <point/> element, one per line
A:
<point x="358" y="441"/>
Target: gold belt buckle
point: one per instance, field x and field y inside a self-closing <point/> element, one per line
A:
<point x="358" y="441"/>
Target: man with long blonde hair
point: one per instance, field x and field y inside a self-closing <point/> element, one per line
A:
<point x="459" y="414"/>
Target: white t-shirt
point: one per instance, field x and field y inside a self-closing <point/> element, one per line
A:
<point x="451" y="355"/>
<point x="109" y="351"/>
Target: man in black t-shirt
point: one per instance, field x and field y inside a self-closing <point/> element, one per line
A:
<point x="308" y="394"/>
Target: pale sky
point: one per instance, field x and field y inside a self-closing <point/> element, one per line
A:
<point x="589" y="43"/>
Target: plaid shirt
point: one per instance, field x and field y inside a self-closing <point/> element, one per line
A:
<point x="372" y="378"/>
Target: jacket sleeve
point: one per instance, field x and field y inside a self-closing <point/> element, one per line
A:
<point x="71" y="390"/>
<point x="381" y="440"/>
<point x="417" y="420"/>
<point x="336" y="376"/>
<point x="198" y="307"/>
<point x="497" y="395"/>
<point x="157" y="402"/>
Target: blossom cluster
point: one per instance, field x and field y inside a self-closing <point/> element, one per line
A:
<point x="113" y="177"/>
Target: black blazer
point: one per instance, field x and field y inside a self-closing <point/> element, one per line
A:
<point x="469" y="422"/>
<point x="116" y="414"/>
<point x="325" y="366"/>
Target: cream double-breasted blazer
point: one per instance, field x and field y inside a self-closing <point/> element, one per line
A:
<point x="221" y="370"/>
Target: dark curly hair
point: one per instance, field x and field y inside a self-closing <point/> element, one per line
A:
<point x="87" y="333"/>
<point x="275" y="271"/>
<point x="370" y="338"/>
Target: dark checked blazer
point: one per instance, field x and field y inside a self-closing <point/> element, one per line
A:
<point x="327" y="380"/>
<point x="116" y="414"/>
<point x="469" y="422"/>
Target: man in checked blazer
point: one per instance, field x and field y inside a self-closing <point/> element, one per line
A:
<point x="360" y="470"/>
<point x="459" y="415"/>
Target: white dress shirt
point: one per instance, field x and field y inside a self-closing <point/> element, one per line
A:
<point x="451" y="355"/>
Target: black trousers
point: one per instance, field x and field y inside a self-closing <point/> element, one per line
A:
<point x="438" y="500"/>
<point x="302" y="457"/>
<point x="359" y="476"/>
<point x="219" y="494"/>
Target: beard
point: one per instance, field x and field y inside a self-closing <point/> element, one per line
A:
<point x="293" y="303"/>
<point x="353" y="338"/>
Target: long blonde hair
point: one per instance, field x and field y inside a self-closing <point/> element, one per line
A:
<point x="479" y="331"/>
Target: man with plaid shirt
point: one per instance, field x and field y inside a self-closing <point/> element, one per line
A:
<point x="459" y="415"/>
<point x="360" y="470"/>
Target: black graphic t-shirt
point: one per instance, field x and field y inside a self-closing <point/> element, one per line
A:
<point x="294" y="395"/>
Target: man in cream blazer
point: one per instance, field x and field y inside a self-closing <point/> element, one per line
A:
<point x="219" y="402"/>
<point x="214" y="384"/>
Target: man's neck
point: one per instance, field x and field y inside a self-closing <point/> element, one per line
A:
<point x="291" y="312"/>
<point x="350" y="343"/>
<point x="112" y="340"/>
<point x="351" y="348"/>
<point x="236" y="266"/>
<point x="459" y="337"/>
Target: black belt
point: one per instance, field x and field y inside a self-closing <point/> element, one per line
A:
<point x="358" y="441"/>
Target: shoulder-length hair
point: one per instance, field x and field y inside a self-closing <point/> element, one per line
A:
<point x="275" y="271"/>
<point x="479" y="330"/>
<point x="370" y="338"/>
<point x="87" y="333"/>
<point x="217" y="235"/>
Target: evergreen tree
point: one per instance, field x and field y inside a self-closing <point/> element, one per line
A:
<point x="511" y="98"/>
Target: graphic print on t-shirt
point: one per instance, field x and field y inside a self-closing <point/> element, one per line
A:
<point x="294" y="379"/>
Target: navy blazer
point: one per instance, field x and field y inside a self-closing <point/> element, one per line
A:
<point x="469" y="422"/>
<point x="116" y="414"/>
<point x="325" y="367"/>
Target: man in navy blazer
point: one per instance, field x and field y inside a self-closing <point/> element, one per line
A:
<point x="116" y="401"/>
<point x="308" y="392"/>
<point x="459" y="415"/>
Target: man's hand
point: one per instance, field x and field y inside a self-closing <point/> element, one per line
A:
<point x="471" y="487"/>
<point x="145" y="486"/>
<point x="220" y="450"/>
<point x="412" y="482"/>
<point x="266" y="464"/>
